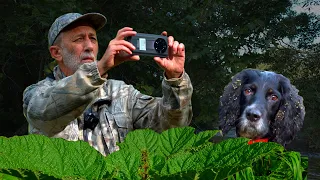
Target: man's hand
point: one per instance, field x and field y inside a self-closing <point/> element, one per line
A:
<point x="118" y="51"/>
<point x="173" y="65"/>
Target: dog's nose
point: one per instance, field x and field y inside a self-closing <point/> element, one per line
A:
<point x="253" y="114"/>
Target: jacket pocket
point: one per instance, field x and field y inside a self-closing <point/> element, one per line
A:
<point x="123" y="124"/>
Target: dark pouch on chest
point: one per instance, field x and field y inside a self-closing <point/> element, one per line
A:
<point x="91" y="119"/>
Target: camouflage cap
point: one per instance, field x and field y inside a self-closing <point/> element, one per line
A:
<point x="96" y="19"/>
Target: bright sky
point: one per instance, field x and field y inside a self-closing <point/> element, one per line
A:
<point x="309" y="9"/>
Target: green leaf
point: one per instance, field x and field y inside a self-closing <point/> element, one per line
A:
<point x="180" y="139"/>
<point x="141" y="140"/>
<point x="124" y="164"/>
<point x="52" y="156"/>
<point x="177" y="153"/>
<point x="23" y="174"/>
<point x="220" y="160"/>
<point x="7" y="177"/>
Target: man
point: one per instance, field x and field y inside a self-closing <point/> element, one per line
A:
<point x="79" y="103"/>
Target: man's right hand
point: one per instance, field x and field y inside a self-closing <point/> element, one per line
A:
<point x="118" y="51"/>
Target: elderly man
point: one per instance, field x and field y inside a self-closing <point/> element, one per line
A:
<point x="78" y="102"/>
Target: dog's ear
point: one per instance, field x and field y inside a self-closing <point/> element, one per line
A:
<point x="290" y="116"/>
<point x="229" y="106"/>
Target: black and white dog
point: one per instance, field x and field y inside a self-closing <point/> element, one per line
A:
<point x="261" y="104"/>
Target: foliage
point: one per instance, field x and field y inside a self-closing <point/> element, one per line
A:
<point x="174" y="154"/>
<point x="221" y="39"/>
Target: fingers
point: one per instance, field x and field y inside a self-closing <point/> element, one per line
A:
<point x="181" y="49"/>
<point x="125" y="43"/>
<point x="118" y="50"/>
<point x="175" y="48"/>
<point x="119" y="44"/>
<point x="134" y="57"/>
<point x="121" y="47"/>
<point x="170" y="41"/>
<point x="123" y="50"/>
<point x="159" y="61"/>
<point x="164" y="33"/>
<point x="125" y="29"/>
<point x="125" y="32"/>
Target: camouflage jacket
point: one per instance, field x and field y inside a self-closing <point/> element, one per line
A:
<point x="57" y="106"/>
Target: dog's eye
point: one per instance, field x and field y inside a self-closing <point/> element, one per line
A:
<point x="248" y="92"/>
<point x="274" y="97"/>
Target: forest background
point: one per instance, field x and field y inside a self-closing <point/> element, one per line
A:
<point x="221" y="38"/>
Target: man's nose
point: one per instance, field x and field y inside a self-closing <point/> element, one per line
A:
<point x="88" y="45"/>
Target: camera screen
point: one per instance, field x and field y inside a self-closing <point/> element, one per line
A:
<point x="143" y="44"/>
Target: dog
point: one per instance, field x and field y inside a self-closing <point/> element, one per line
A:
<point x="261" y="105"/>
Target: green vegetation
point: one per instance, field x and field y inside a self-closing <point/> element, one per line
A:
<point x="174" y="154"/>
<point x="221" y="39"/>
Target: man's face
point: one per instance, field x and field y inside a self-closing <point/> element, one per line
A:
<point x="79" y="45"/>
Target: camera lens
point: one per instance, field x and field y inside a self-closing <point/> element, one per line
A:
<point x="160" y="45"/>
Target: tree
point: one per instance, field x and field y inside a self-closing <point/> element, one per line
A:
<point x="221" y="39"/>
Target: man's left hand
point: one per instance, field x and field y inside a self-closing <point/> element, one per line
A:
<point x="173" y="65"/>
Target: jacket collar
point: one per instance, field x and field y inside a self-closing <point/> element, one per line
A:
<point x="58" y="74"/>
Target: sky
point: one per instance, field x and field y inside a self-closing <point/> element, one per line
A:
<point x="309" y="9"/>
<point x="313" y="8"/>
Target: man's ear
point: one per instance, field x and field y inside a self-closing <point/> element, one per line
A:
<point x="56" y="53"/>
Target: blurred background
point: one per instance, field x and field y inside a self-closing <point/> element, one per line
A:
<point x="222" y="37"/>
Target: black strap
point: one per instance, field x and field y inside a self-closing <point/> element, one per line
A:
<point x="51" y="76"/>
<point x="91" y="118"/>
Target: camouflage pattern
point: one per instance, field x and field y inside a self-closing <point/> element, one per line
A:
<point x="96" y="19"/>
<point x="56" y="107"/>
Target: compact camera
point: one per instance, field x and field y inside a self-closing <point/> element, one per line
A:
<point x="149" y="44"/>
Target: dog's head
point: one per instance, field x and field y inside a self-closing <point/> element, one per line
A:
<point x="261" y="104"/>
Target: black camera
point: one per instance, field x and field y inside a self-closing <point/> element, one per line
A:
<point x="149" y="44"/>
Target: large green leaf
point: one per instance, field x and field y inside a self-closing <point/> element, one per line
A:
<point x="177" y="153"/>
<point x="222" y="160"/>
<point x="51" y="156"/>
<point x="182" y="139"/>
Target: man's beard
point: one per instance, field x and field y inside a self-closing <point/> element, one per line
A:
<point x="72" y="62"/>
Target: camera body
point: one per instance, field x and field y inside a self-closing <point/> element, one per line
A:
<point x="149" y="44"/>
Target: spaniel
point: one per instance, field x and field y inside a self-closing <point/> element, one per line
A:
<point x="261" y="105"/>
